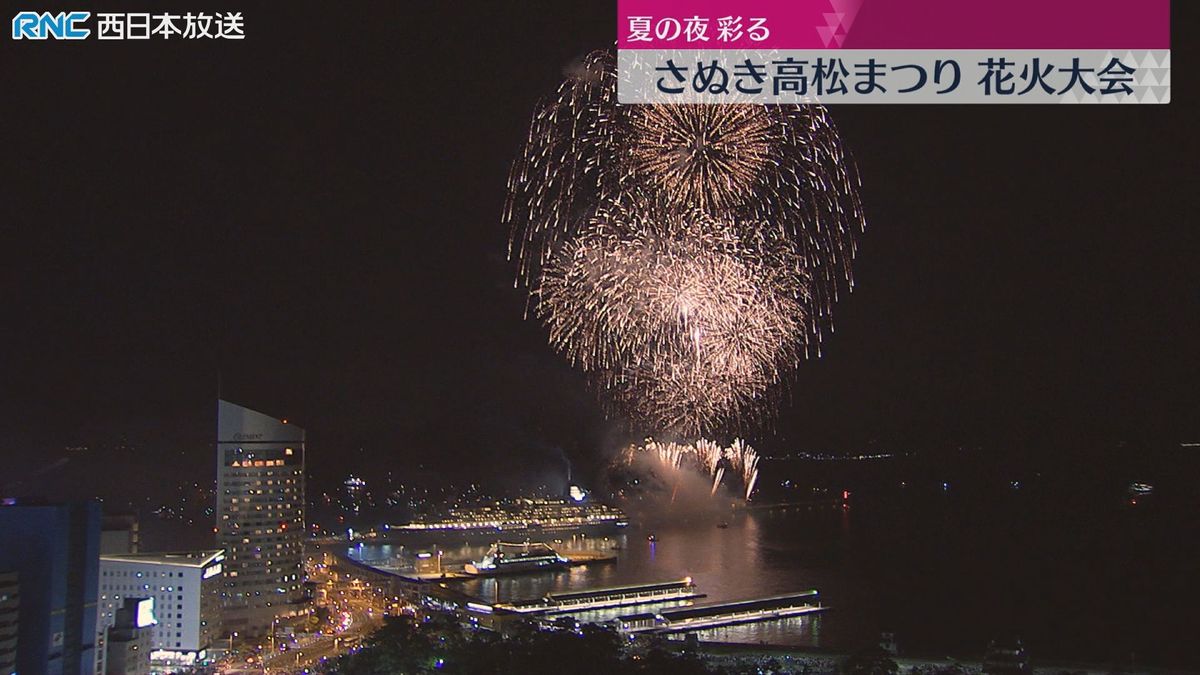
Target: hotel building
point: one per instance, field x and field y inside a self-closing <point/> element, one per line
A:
<point x="260" y="517"/>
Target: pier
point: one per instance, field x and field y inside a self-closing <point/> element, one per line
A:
<point x="722" y="614"/>
<point x="604" y="598"/>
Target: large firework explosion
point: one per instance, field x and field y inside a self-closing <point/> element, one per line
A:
<point x="685" y="256"/>
<point x="686" y="321"/>
<point x="738" y="459"/>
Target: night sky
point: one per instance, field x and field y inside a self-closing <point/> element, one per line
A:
<point x="314" y="213"/>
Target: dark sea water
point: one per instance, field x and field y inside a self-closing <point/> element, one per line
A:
<point x="1079" y="577"/>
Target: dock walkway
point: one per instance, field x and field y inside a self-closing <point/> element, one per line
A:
<point x="603" y="598"/>
<point x="723" y="614"/>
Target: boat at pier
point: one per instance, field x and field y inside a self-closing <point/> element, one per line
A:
<point x="506" y="558"/>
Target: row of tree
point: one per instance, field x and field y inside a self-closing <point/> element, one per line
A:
<point x="440" y="644"/>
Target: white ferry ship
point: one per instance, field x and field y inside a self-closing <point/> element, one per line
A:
<point x="503" y="558"/>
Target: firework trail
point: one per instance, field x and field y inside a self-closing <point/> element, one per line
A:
<point x="717" y="481"/>
<point x="686" y="257"/>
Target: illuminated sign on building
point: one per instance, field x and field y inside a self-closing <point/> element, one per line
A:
<point x="172" y="656"/>
<point x="212" y="571"/>
<point x="145" y="613"/>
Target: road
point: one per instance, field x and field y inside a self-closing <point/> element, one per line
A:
<point x="356" y="610"/>
<point x="297" y="659"/>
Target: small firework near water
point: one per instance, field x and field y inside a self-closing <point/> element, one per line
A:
<point x="735" y="466"/>
<point x="686" y="257"/>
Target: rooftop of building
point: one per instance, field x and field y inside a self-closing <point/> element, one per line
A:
<point x="181" y="558"/>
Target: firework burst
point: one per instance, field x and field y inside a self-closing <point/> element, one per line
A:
<point x="685" y="256"/>
<point x="707" y="157"/>
<point x="686" y="321"/>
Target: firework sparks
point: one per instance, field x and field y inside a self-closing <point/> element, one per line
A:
<point x="704" y="156"/>
<point x="685" y="321"/>
<point x="684" y="256"/>
<point x="717" y="481"/>
<point x="704" y="455"/>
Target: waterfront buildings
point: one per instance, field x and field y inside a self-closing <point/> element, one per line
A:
<point x="54" y="549"/>
<point x="260" y="517"/>
<point x="186" y="592"/>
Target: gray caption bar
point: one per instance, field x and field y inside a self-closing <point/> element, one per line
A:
<point x="894" y="76"/>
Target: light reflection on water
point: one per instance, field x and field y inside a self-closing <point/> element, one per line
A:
<point x="1079" y="578"/>
<point x="804" y="630"/>
<point x="757" y="555"/>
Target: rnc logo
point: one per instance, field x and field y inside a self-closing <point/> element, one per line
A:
<point x="40" y="25"/>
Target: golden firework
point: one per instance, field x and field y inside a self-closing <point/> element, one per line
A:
<point x="686" y="257"/>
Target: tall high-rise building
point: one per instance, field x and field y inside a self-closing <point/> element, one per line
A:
<point x="260" y="517"/>
<point x="55" y="551"/>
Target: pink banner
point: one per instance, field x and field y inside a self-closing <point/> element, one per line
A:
<point x="894" y="24"/>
